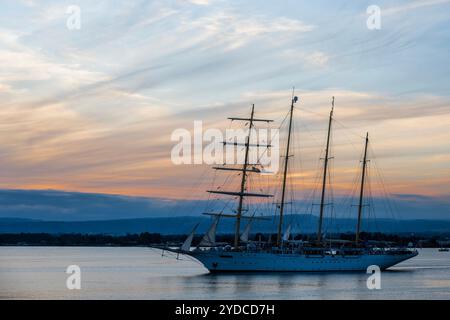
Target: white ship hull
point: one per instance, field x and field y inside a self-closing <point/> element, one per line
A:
<point x="274" y="262"/>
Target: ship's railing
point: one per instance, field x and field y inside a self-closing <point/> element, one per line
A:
<point x="312" y="250"/>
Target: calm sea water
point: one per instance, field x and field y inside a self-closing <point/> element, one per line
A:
<point x="142" y="273"/>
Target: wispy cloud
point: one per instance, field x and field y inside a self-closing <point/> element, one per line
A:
<point x="411" y="5"/>
<point x="93" y="109"/>
<point x="200" y="2"/>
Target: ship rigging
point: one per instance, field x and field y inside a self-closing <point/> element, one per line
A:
<point x="286" y="255"/>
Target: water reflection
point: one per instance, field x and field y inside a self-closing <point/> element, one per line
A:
<point x="136" y="273"/>
<point x="273" y="285"/>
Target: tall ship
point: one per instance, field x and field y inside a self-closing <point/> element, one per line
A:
<point x="283" y="254"/>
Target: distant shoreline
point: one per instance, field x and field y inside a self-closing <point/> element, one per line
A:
<point x="146" y="239"/>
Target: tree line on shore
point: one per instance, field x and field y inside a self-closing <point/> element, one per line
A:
<point x="146" y="239"/>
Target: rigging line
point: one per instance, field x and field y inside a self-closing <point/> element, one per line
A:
<point x="346" y="203"/>
<point x="349" y="141"/>
<point x="210" y="194"/>
<point x="269" y="142"/>
<point x="367" y="213"/>
<point x="268" y="203"/>
<point x="296" y="167"/>
<point x="372" y="209"/>
<point x="284" y="120"/>
<point x="386" y="194"/>
<point x="199" y="182"/>
<point x="372" y="205"/>
<point x="332" y="186"/>
<point x="335" y="119"/>
<point x="309" y="132"/>
<point x="311" y="112"/>
<point x="229" y="200"/>
<point x="331" y="193"/>
<point x="349" y="129"/>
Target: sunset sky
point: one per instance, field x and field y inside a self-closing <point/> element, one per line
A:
<point x="93" y="109"/>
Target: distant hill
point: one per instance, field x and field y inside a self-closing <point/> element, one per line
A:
<point x="52" y="205"/>
<point x="183" y="225"/>
<point x="78" y="206"/>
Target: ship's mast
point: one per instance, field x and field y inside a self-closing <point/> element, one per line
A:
<point x="245" y="170"/>
<point x="243" y="181"/>
<point x="325" y="172"/>
<point x="286" y="161"/>
<point x="361" y="192"/>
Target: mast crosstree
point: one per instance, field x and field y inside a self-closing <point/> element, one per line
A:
<point x="245" y="170"/>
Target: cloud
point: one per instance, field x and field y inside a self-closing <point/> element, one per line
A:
<point x="200" y="2"/>
<point x="411" y="5"/>
<point x="234" y="30"/>
<point x="316" y="59"/>
<point x="28" y="3"/>
<point x="130" y="153"/>
<point x="93" y="109"/>
<point x="22" y="65"/>
<point x="4" y="88"/>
